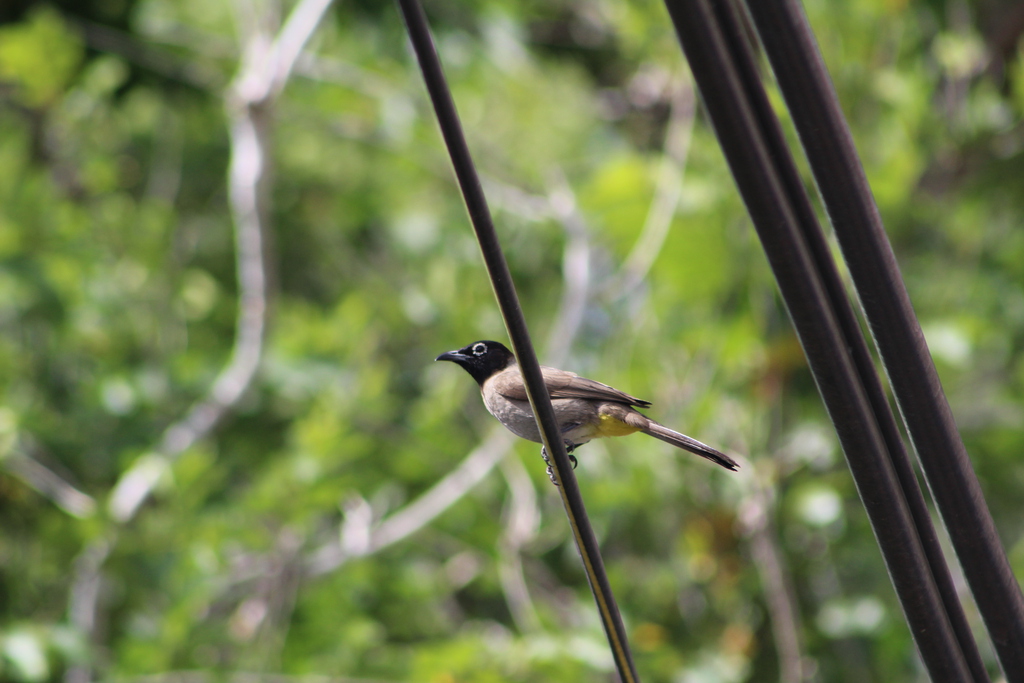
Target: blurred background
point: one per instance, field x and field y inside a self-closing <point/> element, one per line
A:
<point x="231" y="246"/>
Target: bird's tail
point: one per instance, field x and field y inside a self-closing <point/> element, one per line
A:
<point x="659" y="431"/>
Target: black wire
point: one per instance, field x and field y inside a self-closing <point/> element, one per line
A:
<point x="803" y="79"/>
<point x="750" y="136"/>
<point x="732" y="22"/>
<point x="515" y="322"/>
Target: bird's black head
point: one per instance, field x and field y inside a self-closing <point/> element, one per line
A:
<point x="481" y="359"/>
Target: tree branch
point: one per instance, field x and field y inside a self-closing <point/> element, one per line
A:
<point x="50" y="484"/>
<point x="783" y="612"/>
<point x="406" y="521"/>
<point x="667" y="193"/>
<point x="263" y="72"/>
<point x="262" y="75"/>
<point x="522" y="520"/>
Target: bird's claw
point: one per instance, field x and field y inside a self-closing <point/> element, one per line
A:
<point x="550" y="469"/>
<point x="569" y="448"/>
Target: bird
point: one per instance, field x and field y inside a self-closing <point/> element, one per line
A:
<point x="584" y="409"/>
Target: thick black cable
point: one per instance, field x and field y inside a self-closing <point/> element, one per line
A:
<point x="800" y="71"/>
<point x="515" y="322"/>
<point x="733" y="26"/>
<point x="753" y="145"/>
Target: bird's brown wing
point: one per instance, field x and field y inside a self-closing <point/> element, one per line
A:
<point x="562" y="384"/>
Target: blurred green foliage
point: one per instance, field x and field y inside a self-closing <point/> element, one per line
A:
<point x="118" y="303"/>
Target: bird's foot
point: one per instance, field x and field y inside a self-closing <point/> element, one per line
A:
<point x="550" y="469"/>
<point x="569" y="448"/>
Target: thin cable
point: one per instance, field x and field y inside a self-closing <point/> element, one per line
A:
<point x="752" y="142"/>
<point x="515" y="323"/>
<point x="814" y="106"/>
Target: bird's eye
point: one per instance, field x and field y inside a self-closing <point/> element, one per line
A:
<point x="479" y="349"/>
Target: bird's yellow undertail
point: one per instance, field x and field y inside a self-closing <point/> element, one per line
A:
<point x="613" y="426"/>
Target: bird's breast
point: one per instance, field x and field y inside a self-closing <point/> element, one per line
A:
<point x="515" y="415"/>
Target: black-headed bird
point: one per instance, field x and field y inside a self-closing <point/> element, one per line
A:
<point x="584" y="409"/>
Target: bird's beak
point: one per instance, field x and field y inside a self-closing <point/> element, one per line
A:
<point x="453" y="356"/>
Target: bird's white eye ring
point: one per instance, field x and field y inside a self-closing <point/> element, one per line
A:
<point x="479" y="349"/>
